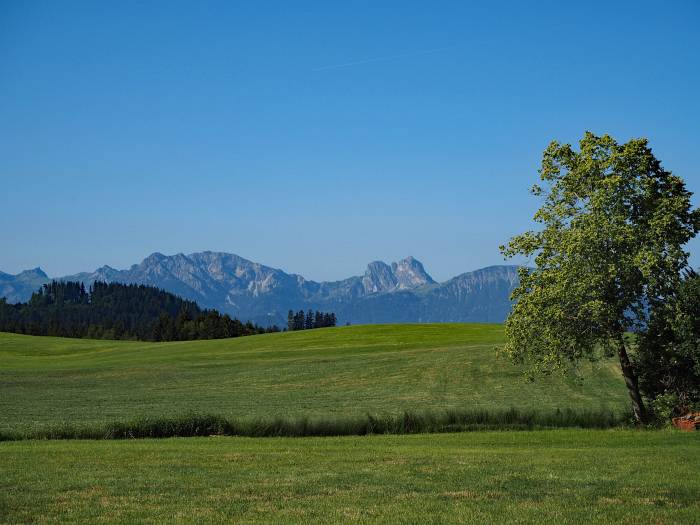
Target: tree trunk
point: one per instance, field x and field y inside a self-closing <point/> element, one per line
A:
<point x="640" y="413"/>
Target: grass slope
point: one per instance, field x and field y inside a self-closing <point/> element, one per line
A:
<point x="348" y="371"/>
<point x="559" y="476"/>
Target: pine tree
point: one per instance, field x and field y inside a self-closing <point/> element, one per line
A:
<point x="299" y="321"/>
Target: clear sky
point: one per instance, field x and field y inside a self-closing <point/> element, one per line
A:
<point x="318" y="136"/>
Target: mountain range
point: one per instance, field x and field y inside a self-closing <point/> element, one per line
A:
<point x="400" y="292"/>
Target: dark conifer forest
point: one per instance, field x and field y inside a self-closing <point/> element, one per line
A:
<point x="118" y="311"/>
<point x="306" y="321"/>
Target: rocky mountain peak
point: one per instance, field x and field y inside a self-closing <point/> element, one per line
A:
<point x="32" y="274"/>
<point x="406" y="274"/>
<point x="18" y="288"/>
<point x="153" y="259"/>
<point x="409" y="273"/>
<point x="378" y="277"/>
<point x="398" y="292"/>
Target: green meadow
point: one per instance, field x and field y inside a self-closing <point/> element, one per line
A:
<point x="554" y="476"/>
<point x="565" y="475"/>
<point x="380" y="370"/>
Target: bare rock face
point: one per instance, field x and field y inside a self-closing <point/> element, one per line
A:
<point x="409" y="273"/>
<point x="398" y="292"/>
<point x="379" y="277"/>
<point x="406" y="274"/>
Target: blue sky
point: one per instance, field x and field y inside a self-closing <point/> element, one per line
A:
<point x="317" y="136"/>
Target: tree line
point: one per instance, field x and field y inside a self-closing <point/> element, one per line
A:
<point x="118" y="311"/>
<point x="307" y="320"/>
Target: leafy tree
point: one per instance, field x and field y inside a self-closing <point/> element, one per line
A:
<point x="613" y="226"/>
<point x="668" y="355"/>
<point x="309" y="321"/>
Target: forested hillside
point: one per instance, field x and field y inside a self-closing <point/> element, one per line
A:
<point x="118" y="311"/>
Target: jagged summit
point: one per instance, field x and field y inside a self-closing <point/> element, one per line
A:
<point x="410" y="273"/>
<point x="398" y="292"/>
<point x="157" y="256"/>
<point x="406" y="274"/>
<point x="378" y="278"/>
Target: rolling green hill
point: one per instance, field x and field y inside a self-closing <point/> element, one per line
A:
<point x="379" y="369"/>
<point x="564" y="475"/>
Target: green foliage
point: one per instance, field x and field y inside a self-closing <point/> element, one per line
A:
<point x="668" y="354"/>
<point x="613" y="226"/>
<point x="118" y="311"/>
<point x="665" y="406"/>
<point x="334" y="373"/>
<point x="555" y="476"/>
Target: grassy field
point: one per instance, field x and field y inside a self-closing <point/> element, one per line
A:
<point x="555" y="476"/>
<point x="349" y="371"/>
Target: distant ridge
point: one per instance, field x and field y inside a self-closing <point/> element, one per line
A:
<point x="18" y="288"/>
<point x="386" y="293"/>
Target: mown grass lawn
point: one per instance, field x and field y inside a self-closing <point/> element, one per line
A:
<point x="348" y="371"/>
<point x="557" y="476"/>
